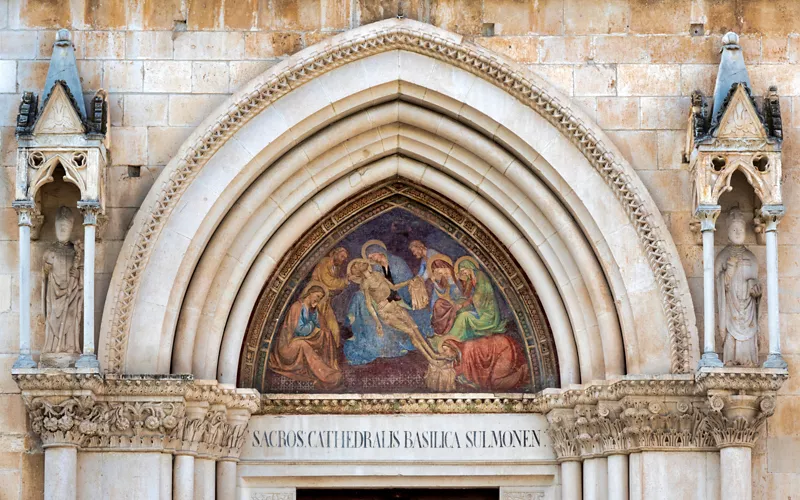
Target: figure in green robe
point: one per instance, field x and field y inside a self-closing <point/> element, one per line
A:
<point x="478" y="314"/>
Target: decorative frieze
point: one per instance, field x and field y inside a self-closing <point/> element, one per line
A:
<point x="89" y="411"/>
<point x="719" y="407"/>
<point x="712" y="409"/>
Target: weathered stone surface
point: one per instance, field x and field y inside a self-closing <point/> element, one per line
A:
<point x="240" y="14"/>
<point x="461" y="16"/>
<point x="104" y="45"/>
<point x="271" y="45"/>
<point x="648" y="80"/>
<point x="660" y="16"/>
<point x="142" y="110"/>
<point x="204" y="14"/>
<point x="210" y="77"/>
<point x="161" y="14"/>
<point x="45" y="13"/>
<point x="520" y="17"/>
<point x="584" y="18"/>
<point x="618" y="112"/>
<point x="620" y="49"/>
<point x="567" y="49"/>
<point x="148" y="45"/>
<point x="8" y="76"/>
<point x="518" y="48"/>
<point x="596" y="80"/>
<point x="124" y="76"/>
<point x="167" y="76"/>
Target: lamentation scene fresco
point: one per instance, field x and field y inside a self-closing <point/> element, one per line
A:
<point x="398" y="298"/>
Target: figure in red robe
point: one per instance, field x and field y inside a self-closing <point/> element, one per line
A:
<point x="494" y="363"/>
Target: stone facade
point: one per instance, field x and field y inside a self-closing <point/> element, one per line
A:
<point x="630" y="66"/>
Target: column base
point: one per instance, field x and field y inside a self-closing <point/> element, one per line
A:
<point x="710" y="360"/>
<point x="88" y="361"/>
<point x="24" y="361"/>
<point x="775" y="361"/>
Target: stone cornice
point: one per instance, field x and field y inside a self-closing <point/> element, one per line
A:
<point x="711" y="409"/>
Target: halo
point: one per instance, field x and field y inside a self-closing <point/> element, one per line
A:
<point x="442" y="257"/>
<point x="350" y="267"/>
<point x="314" y="283"/>
<point x="469" y="259"/>
<point x="367" y="245"/>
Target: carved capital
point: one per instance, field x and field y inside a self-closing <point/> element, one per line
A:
<point x="26" y="211"/>
<point x="771" y="215"/>
<point x="140" y="412"/>
<point x="734" y="419"/>
<point x="564" y="434"/>
<point x="707" y="216"/>
<point x="91" y="212"/>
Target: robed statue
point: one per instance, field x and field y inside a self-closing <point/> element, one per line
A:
<point x="62" y="293"/>
<point x="738" y="296"/>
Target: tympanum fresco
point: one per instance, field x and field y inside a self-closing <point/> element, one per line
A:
<point x="398" y="300"/>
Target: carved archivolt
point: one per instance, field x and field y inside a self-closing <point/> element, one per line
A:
<point x="411" y="37"/>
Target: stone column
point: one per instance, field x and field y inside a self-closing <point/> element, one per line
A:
<point x="772" y="214"/>
<point x="183" y="477"/>
<point x="618" y="477"/>
<point x="165" y="492"/>
<point x="226" y="478"/>
<point x="595" y="479"/>
<point x="60" y="472"/>
<point x="90" y="210"/>
<point x="205" y="475"/>
<point x="571" y="480"/>
<point x="735" y="473"/>
<point x="24" y="214"/>
<point x="635" y="490"/>
<point x="707" y="214"/>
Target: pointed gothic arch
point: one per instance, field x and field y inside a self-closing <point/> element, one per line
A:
<point x="398" y="98"/>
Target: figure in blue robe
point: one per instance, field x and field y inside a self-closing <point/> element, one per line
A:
<point x="366" y="345"/>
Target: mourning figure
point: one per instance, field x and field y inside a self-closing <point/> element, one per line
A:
<point x="738" y="296"/>
<point x="62" y="294"/>
<point x="305" y="348"/>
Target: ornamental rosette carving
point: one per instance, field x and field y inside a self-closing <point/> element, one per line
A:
<point x="136" y="412"/>
<point x="665" y="424"/>
<point x="735" y="419"/>
<point x="83" y="422"/>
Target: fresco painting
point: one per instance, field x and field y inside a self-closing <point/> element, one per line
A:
<point x="397" y="305"/>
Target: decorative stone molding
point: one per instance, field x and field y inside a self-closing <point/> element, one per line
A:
<point x="712" y="409"/>
<point x="92" y="412"/>
<point x="719" y="407"/>
<point x="421" y="39"/>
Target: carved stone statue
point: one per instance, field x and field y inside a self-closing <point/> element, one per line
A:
<point x="738" y="296"/>
<point x="62" y="295"/>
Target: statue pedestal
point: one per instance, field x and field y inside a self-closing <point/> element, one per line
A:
<point x="57" y="360"/>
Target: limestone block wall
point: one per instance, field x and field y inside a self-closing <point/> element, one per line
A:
<point x="631" y="64"/>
